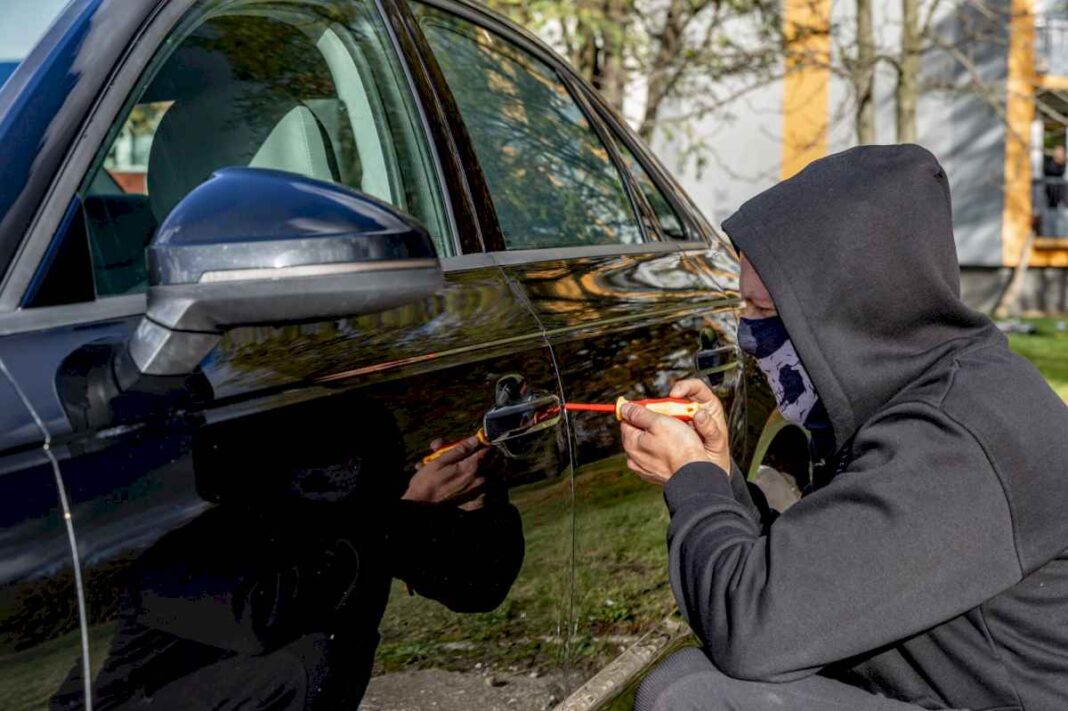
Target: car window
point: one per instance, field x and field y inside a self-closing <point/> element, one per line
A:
<point x="670" y="222"/>
<point x="294" y="86"/>
<point x="549" y="175"/>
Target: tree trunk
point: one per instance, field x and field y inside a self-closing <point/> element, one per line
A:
<point x="585" y="57"/>
<point x="907" y="92"/>
<point x="613" y="76"/>
<point x="864" y="74"/>
<point x="669" y="44"/>
<point x="1008" y="299"/>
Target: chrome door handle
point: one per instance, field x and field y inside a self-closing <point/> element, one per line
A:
<point x="505" y="422"/>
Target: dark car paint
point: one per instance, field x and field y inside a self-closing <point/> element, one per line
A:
<point x="582" y="323"/>
<point x="40" y="605"/>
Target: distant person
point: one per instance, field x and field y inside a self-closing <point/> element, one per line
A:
<point x="1053" y="170"/>
<point x="929" y="570"/>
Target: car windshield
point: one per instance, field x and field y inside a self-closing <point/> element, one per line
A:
<point x="24" y="22"/>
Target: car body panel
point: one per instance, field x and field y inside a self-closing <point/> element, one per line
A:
<point x="40" y="630"/>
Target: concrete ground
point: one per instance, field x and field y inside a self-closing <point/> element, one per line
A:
<point x="433" y="689"/>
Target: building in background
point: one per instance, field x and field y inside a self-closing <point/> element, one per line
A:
<point x="995" y="108"/>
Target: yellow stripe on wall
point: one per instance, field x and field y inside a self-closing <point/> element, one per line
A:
<point x="1019" y="113"/>
<point x="806" y="24"/>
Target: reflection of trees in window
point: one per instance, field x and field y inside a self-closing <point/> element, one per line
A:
<point x="550" y="177"/>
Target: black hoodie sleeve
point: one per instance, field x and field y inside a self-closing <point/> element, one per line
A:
<point x="916" y="531"/>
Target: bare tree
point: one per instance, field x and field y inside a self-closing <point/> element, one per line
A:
<point x="862" y="73"/>
<point x="906" y="93"/>
<point x="679" y="50"/>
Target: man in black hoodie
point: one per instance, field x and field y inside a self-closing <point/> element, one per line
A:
<point x="931" y="570"/>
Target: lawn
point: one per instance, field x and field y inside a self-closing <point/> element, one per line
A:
<point x="620" y="589"/>
<point x="1047" y="348"/>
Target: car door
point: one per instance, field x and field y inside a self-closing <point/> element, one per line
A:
<point x="284" y="536"/>
<point x="625" y="279"/>
<point x="40" y="595"/>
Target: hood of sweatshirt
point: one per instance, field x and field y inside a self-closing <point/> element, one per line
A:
<point x="857" y="252"/>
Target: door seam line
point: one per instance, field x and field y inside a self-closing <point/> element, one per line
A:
<point x="572" y="581"/>
<point x="83" y="620"/>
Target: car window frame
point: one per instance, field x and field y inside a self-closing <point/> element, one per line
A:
<point x="157" y="26"/>
<point x="618" y="129"/>
<point x="524" y="42"/>
<point x="704" y="234"/>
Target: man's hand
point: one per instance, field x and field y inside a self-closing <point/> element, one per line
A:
<point x="452" y="478"/>
<point x="657" y="446"/>
<point x="712" y="431"/>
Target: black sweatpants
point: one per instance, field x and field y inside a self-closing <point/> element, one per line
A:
<point x="687" y="681"/>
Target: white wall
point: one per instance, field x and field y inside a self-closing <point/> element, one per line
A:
<point x="742" y="156"/>
<point x="963" y="131"/>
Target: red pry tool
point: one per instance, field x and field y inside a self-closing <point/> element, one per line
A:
<point x="671" y="406"/>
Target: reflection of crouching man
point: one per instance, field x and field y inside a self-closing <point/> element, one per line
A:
<point x="272" y="597"/>
<point x="927" y="566"/>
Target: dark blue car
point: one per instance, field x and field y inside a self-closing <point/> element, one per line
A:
<point x="262" y="262"/>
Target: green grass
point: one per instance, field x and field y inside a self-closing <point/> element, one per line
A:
<point x="621" y="579"/>
<point x="620" y="587"/>
<point x="525" y="632"/>
<point x="1047" y="349"/>
<point x="31" y="677"/>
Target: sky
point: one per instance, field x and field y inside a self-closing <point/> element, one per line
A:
<point x="22" y="22"/>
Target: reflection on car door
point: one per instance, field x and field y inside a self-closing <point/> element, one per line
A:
<point x="40" y="635"/>
<point x="627" y="310"/>
<point x="621" y="325"/>
<point x="286" y="541"/>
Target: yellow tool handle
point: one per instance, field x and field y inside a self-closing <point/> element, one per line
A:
<point x="670" y="406"/>
<point x="481" y="434"/>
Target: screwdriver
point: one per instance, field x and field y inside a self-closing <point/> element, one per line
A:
<point x="675" y="407"/>
<point x="671" y="406"/>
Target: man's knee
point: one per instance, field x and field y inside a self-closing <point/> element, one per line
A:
<point x="689" y="681"/>
<point x="671" y="685"/>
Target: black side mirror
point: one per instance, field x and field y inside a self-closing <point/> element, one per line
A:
<point x="252" y="246"/>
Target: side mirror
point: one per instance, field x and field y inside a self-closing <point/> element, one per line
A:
<point x="252" y="246"/>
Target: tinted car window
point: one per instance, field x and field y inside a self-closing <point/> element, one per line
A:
<point x="669" y="220"/>
<point x="308" y="89"/>
<point x="551" y="179"/>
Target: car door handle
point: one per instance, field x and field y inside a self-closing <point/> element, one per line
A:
<point x="505" y="422"/>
